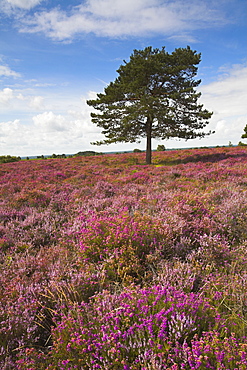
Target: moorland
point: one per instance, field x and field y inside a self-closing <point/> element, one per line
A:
<point x="109" y="263"/>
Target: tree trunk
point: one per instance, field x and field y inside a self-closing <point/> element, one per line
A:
<point x="149" y="139"/>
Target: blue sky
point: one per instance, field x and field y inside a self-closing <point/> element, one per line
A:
<point x="54" y="55"/>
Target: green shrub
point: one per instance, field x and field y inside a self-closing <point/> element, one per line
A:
<point x="9" y="158"/>
<point x="160" y="148"/>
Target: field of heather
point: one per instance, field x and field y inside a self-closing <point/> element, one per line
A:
<point x="107" y="263"/>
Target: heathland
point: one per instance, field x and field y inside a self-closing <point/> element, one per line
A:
<point x="109" y="263"/>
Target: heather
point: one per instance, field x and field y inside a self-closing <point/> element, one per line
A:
<point x="109" y="263"/>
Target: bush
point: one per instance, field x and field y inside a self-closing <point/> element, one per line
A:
<point x="160" y="148"/>
<point x="9" y="158"/>
<point x="241" y="144"/>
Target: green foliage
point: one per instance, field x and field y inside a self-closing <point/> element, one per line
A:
<point x="137" y="151"/>
<point x="244" y="136"/>
<point x="9" y="158"/>
<point x="58" y="156"/>
<point x="160" y="148"/>
<point x="154" y="96"/>
<point x="86" y="153"/>
<point x="241" y="144"/>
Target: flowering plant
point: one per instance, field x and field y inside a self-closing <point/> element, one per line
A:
<point x="107" y="263"/>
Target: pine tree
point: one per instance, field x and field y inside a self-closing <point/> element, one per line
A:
<point x="154" y="96"/>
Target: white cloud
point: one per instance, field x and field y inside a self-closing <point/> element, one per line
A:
<point x="125" y="18"/>
<point x="183" y="38"/>
<point x="227" y="99"/>
<point x="6" y="95"/>
<point x="49" y="132"/>
<point x="24" y="4"/>
<point x="20" y="96"/>
<point x="17" y="8"/>
<point x="14" y="100"/>
<point x="8" y="129"/>
<point x="49" y="122"/>
<point x="7" y="72"/>
<point x="36" y="102"/>
<point x="228" y="95"/>
<point x="90" y="95"/>
<point x="46" y="84"/>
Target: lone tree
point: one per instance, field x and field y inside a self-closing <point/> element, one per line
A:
<point x="154" y="96"/>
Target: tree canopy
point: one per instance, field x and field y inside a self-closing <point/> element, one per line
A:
<point x="244" y="136"/>
<point x="154" y="96"/>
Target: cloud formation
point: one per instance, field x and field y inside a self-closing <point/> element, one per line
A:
<point x="11" y="100"/>
<point x="49" y="122"/>
<point x="17" y="8"/>
<point x="228" y="95"/>
<point x="36" y="102"/>
<point x="8" y="129"/>
<point x="227" y="98"/>
<point x="5" y="71"/>
<point x="6" y="95"/>
<point x="122" y="18"/>
<point x="23" y="4"/>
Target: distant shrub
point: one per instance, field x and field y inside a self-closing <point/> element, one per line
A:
<point x="58" y="156"/>
<point x="241" y="144"/>
<point x="137" y="151"/>
<point x="9" y="158"/>
<point x="86" y="153"/>
<point x="160" y="148"/>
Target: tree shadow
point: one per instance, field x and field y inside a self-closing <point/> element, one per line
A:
<point x="203" y="157"/>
